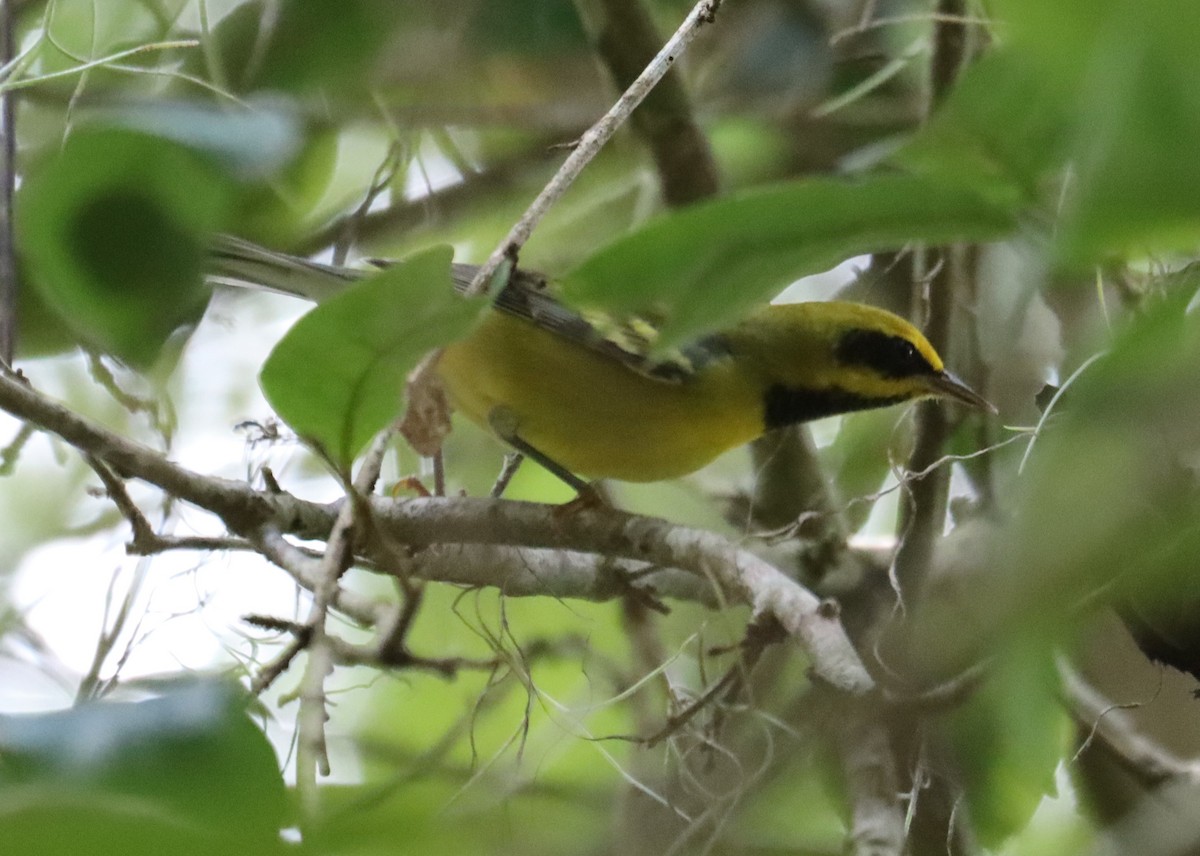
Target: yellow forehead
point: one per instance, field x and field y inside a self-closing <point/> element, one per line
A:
<point x="838" y="317"/>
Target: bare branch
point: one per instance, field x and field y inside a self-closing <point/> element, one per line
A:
<point x="305" y="568"/>
<point x="626" y="40"/>
<point x="593" y="140"/>
<point x="236" y="503"/>
<point x="738" y="574"/>
<point x="869" y="766"/>
<point x="312" y="755"/>
<point x="1108" y="725"/>
<point x="143" y="532"/>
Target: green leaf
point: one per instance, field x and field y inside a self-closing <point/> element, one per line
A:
<point x="1008" y="739"/>
<point x="310" y="43"/>
<point x="186" y="771"/>
<point x="860" y="459"/>
<point x="338" y="375"/>
<point x="1133" y="113"/>
<point x="1002" y="122"/>
<point x="708" y="263"/>
<point x="277" y="212"/>
<point x="251" y="142"/>
<point x="1110" y="489"/>
<point x="114" y="233"/>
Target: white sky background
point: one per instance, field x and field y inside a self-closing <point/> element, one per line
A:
<point x="61" y="587"/>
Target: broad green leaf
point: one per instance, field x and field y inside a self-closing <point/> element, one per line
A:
<point x="338" y="375"/>
<point x="251" y="142"/>
<point x="1007" y="741"/>
<point x="308" y="43"/>
<point x="1131" y="68"/>
<point x="1111" y="483"/>
<point x="708" y="263"/>
<point x="1001" y="122"/>
<point x="114" y="231"/>
<point x="860" y="459"/>
<point x="186" y="771"/>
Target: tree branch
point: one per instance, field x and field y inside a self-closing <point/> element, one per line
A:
<point x="869" y="766"/>
<point x="236" y="503"/>
<point x="738" y="574"/>
<point x="593" y="140"/>
<point x="312" y="756"/>
<point x="1109" y="726"/>
<point x="626" y="39"/>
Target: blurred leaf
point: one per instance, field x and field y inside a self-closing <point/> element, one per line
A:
<point x="338" y="375"/>
<point x="114" y="233"/>
<point x="860" y="458"/>
<point x="748" y="151"/>
<point x="1134" y="116"/>
<point x="1113" y="488"/>
<point x="1110" y="494"/>
<point x="277" y="212"/>
<point x="708" y="263"/>
<point x="307" y="43"/>
<point x="1001" y="122"/>
<point x="537" y="27"/>
<point x="183" y="773"/>
<point x="251" y="142"/>
<point x="1007" y="740"/>
<point x="89" y="30"/>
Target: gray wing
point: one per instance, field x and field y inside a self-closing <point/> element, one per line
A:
<point x="527" y="295"/>
<point x="627" y="341"/>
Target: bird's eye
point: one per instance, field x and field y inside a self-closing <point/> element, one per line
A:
<point x="890" y="356"/>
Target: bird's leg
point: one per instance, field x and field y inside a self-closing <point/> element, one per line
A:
<point x="504" y="422"/>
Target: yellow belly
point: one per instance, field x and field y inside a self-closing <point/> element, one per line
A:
<point x="589" y="413"/>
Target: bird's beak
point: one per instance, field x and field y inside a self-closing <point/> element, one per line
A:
<point x="946" y="385"/>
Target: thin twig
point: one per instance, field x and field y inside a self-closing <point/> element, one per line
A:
<point x="143" y="532"/>
<point x="592" y="141"/>
<point x="915" y="18"/>
<point x="280" y="663"/>
<point x="312" y="754"/>
<point x="304" y="567"/>
<point x="106" y="61"/>
<point x="1109" y="725"/>
<point x="626" y="40"/>
<point x="760" y="635"/>
<point x="11" y="453"/>
<point x="512" y="463"/>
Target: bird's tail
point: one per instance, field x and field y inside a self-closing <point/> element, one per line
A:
<point x="239" y="263"/>
<point x="233" y="261"/>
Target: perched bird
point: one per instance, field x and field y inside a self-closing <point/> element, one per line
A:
<point x="580" y="395"/>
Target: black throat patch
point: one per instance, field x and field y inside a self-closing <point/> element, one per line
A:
<point x="789" y="405"/>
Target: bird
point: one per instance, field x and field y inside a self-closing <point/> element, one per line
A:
<point x="588" y="396"/>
